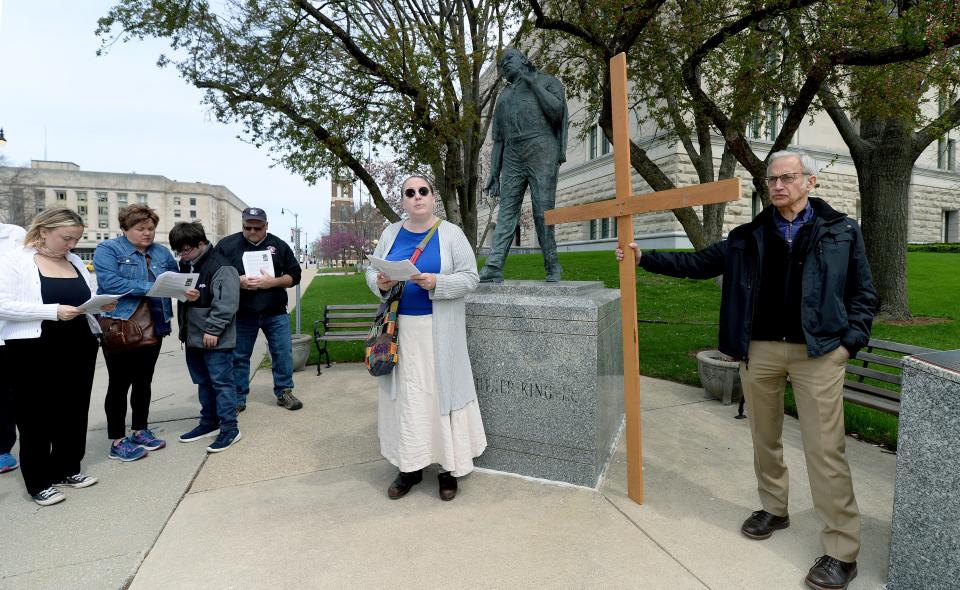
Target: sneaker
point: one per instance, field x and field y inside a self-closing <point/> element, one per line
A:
<point x="144" y="438"/>
<point x="198" y="433"/>
<point x="224" y="442"/>
<point x="8" y="462"/>
<point x="126" y="450"/>
<point x="48" y="496"/>
<point x="76" y="481"/>
<point x="288" y="401"/>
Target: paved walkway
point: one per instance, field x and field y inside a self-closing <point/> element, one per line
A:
<point x="300" y="502"/>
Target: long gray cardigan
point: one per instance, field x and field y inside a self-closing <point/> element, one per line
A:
<point x="458" y="276"/>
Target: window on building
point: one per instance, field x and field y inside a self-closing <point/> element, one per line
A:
<point x="176" y="213"/>
<point x="101" y="197"/>
<point x="593" y="229"/>
<point x="141" y="198"/>
<point x="82" y="209"/>
<point x="81" y="196"/>
<point x="755" y="127"/>
<point x="39" y="196"/>
<point x="952" y="154"/>
<point x="756" y="204"/>
<point x="122" y="198"/>
<point x="593" y="145"/>
<point x="103" y="209"/>
<point x="604" y="144"/>
<point x="951" y="226"/>
<point x="61" y="195"/>
<point x="103" y="224"/>
<point x="176" y="200"/>
<point x="99" y="237"/>
<point x="193" y="201"/>
<point x="773" y="122"/>
<point x="193" y="215"/>
<point x="942" y="153"/>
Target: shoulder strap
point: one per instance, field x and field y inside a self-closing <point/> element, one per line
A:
<point x="424" y="241"/>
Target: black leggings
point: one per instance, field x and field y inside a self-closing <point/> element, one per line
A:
<point x="51" y="390"/>
<point x="129" y="371"/>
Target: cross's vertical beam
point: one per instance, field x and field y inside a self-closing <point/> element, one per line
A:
<point x="628" y="279"/>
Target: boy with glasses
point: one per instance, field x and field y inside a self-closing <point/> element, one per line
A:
<point x="263" y="306"/>
<point x="209" y="334"/>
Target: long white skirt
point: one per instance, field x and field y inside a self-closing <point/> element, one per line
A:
<point x="413" y="433"/>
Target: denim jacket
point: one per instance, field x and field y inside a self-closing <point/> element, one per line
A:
<point x="121" y="267"/>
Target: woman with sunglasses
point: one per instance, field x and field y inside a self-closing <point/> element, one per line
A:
<point x="428" y="404"/>
<point x="131" y="264"/>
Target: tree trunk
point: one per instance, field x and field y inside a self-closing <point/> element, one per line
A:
<point x="884" y="172"/>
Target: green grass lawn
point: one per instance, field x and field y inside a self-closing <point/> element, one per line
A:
<point x="679" y="317"/>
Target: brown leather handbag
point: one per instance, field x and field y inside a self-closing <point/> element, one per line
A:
<point x="123" y="335"/>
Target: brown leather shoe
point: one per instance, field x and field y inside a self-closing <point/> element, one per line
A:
<point x="403" y="483"/>
<point x="448" y="486"/>
<point x="829" y="573"/>
<point x="761" y="524"/>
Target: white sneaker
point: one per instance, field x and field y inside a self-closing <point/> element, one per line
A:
<point x="77" y="481"/>
<point x="49" y="496"/>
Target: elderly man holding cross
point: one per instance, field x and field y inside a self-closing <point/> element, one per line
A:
<point x="797" y="302"/>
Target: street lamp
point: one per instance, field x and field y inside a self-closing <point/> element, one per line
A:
<point x="296" y="229"/>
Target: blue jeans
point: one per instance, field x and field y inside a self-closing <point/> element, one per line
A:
<point x="277" y="330"/>
<point x="212" y="371"/>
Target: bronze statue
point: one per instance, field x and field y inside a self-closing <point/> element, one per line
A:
<point x="529" y="144"/>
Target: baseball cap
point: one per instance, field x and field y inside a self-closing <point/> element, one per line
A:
<point x="253" y="213"/>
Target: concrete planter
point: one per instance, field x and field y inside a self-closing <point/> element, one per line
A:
<point x="301" y="350"/>
<point x="720" y="376"/>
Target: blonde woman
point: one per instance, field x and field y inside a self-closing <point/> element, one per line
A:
<point x="53" y="345"/>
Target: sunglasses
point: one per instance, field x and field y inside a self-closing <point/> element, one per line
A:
<point x="251" y="228"/>
<point x="411" y="193"/>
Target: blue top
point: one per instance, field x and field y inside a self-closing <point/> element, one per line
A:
<point x="788" y="229"/>
<point x="416" y="301"/>
<point x="121" y="268"/>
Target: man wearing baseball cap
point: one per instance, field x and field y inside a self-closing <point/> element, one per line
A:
<point x="263" y="306"/>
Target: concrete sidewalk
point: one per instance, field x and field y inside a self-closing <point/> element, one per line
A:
<point x="300" y="502"/>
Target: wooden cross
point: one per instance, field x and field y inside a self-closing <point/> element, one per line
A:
<point x="623" y="207"/>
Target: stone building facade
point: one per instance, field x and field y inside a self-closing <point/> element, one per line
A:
<point x="99" y="196"/>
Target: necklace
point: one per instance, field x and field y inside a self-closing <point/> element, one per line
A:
<point x="45" y="252"/>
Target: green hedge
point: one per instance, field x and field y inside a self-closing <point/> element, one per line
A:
<point x="952" y="248"/>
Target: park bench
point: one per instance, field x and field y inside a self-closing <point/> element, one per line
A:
<point x="342" y="323"/>
<point x="879" y="361"/>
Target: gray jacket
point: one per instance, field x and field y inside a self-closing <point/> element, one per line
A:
<point x="215" y="311"/>
<point x="458" y="276"/>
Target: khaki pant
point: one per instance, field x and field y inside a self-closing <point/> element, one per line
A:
<point x="818" y="391"/>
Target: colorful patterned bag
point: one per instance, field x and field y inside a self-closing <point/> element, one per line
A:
<point x="381" y="345"/>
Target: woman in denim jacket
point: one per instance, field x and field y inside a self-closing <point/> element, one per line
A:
<point x="130" y="264"/>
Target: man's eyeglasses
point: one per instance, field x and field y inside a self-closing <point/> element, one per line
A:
<point x="411" y="193"/>
<point x="186" y="251"/>
<point x="787" y="178"/>
<point x="252" y="228"/>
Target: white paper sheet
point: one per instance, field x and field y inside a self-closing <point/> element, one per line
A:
<point x="174" y="284"/>
<point x="95" y="304"/>
<point x="400" y="270"/>
<point x="256" y="260"/>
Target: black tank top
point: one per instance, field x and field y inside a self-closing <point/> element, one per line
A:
<point x="73" y="291"/>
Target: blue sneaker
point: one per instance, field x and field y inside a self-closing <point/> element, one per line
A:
<point x="224" y="442"/>
<point x="144" y="438"/>
<point x="8" y="463"/>
<point x="199" y="432"/>
<point x="126" y="451"/>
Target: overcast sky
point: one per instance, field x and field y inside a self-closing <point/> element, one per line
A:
<point x="120" y="113"/>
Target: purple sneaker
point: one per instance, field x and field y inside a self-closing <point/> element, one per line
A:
<point x="144" y="438"/>
<point x="126" y="451"/>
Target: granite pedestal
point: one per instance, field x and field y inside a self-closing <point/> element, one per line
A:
<point x="925" y="529"/>
<point x="548" y="365"/>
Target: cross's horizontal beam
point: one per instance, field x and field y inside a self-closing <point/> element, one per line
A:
<point x="708" y="193"/>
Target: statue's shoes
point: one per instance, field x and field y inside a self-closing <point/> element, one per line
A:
<point x="490" y="276"/>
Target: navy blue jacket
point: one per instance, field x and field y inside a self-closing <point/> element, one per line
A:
<point x="838" y="301"/>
